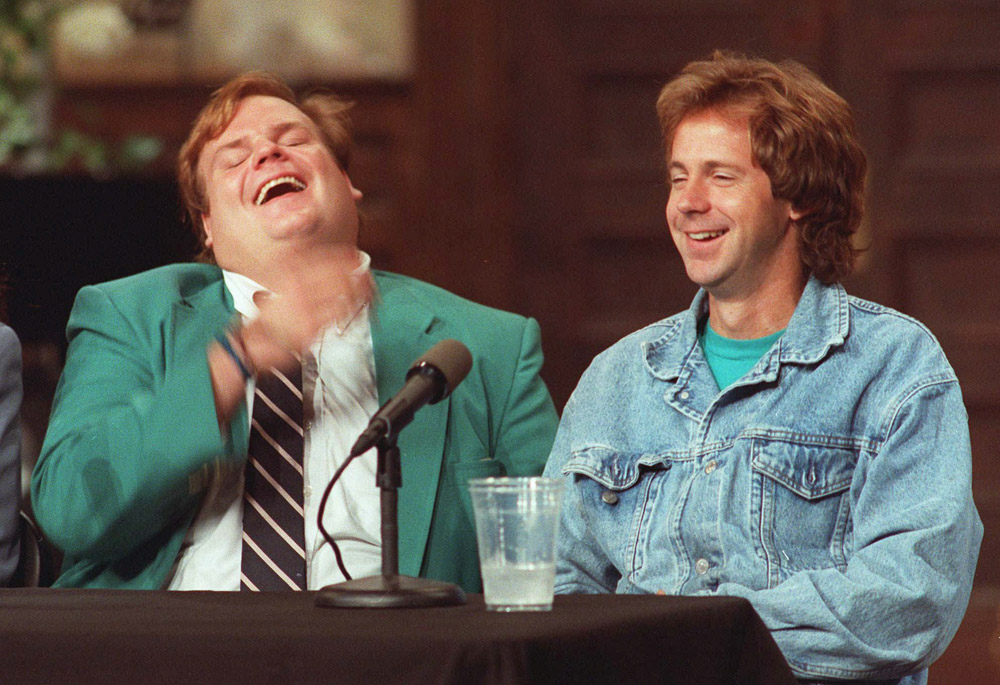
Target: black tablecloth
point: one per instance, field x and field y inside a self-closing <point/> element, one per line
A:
<point x="97" y="636"/>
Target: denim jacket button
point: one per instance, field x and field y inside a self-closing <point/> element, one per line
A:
<point x="609" y="497"/>
<point x="685" y="395"/>
<point x="701" y="566"/>
<point x="710" y="466"/>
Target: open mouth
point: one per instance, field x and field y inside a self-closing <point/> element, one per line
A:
<point x="705" y="235"/>
<point x="278" y="187"/>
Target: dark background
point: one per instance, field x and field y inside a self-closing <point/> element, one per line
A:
<point x="521" y="166"/>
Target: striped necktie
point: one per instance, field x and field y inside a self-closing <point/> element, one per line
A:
<point x="273" y="533"/>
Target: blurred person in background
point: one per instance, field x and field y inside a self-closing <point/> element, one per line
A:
<point x="10" y="443"/>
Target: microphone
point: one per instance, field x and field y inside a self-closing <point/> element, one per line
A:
<point x="431" y="378"/>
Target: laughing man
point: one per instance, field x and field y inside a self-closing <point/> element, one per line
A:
<point x="142" y="473"/>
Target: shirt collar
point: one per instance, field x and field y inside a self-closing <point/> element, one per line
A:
<point x="243" y="288"/>
<point x="819" y="323"/>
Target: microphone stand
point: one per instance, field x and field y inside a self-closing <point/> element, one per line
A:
<point x="389" y="590"/>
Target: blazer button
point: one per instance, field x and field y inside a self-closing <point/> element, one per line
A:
<point x="609" y="497"/>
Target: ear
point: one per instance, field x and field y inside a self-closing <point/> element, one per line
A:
<point x="795" y="214"/>
<point x="206" y="227"/>
<point x="355" y="193"/>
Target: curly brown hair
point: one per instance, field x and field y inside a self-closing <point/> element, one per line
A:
<point x="802" y="135"/>
<point x="326" y="110"/>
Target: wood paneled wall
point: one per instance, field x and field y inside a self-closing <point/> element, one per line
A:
<point x="522" y="167"/>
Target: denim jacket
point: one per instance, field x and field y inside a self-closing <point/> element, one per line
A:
<point x="830" y="486"/>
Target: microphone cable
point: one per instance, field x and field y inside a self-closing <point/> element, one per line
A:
<point x="322" y="508"/>
<point x="448" y="362"/>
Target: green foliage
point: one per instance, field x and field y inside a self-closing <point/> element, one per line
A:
<point x="25" y="92"/>
<point x="98" y="158"/>
<point x="29" y="19"/>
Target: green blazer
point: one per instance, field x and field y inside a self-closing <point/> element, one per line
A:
<point x="133" y="441"/>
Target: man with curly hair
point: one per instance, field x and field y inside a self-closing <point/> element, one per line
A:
<point x="780" y="440"/>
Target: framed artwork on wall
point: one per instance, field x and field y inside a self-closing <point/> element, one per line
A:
<point x="117" y="42"/>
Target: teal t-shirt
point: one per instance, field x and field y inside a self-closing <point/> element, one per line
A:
<point x="728" y="358"/>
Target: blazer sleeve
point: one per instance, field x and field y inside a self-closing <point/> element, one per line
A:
<point x="529" y="420"/>
<point x="133" y="437"/>
<point x="10" y="451"/>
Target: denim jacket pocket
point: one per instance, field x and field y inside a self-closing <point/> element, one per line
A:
<point x="612" y="468"/>
<point x="801" y="489"/>
<point x="613" y="490"/>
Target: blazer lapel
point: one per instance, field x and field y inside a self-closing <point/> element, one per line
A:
<point x="200" y="316"/>
<point x="402" y="330"/>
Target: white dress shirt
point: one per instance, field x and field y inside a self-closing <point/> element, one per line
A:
<point x="340" y="396"/>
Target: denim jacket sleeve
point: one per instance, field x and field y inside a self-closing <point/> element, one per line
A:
<point x="904" y="591"/>
<point x="583" y="565"/>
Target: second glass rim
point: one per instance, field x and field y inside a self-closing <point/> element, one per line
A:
<point x="495" y="483"/>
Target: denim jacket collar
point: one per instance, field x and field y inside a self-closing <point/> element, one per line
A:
<point x="819" y="324"/>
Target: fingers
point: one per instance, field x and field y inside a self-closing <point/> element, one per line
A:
<point x="326" y="288"/>
<point x="321" y="290"/>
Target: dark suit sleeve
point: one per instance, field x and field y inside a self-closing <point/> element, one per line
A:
<point x="133" y="436"/>
<point x="528" y="423"/>
<point x="10" y="451"/>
